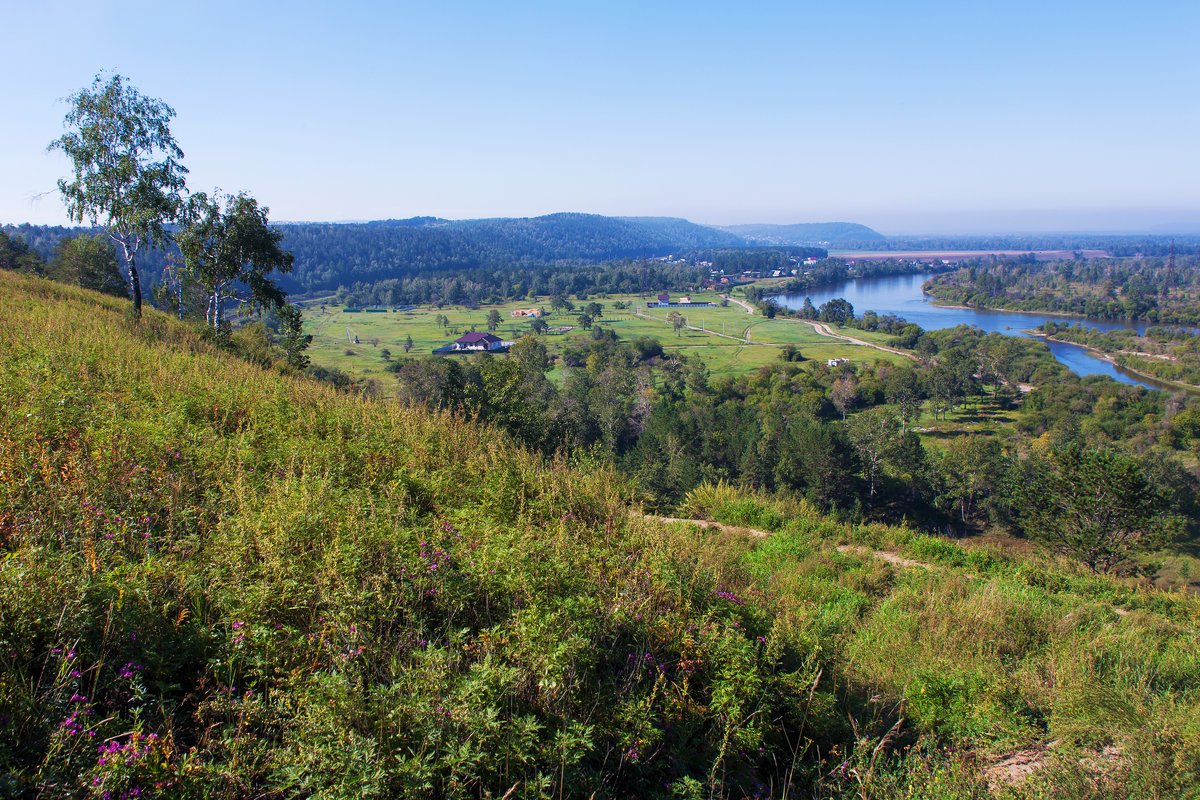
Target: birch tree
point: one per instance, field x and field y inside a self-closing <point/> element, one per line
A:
<point x="128" y="177"/>
<point x="875" y="434"/>
<point x="230" y="251"/>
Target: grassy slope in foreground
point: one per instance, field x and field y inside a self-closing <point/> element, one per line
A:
<point x="223" y="582"/>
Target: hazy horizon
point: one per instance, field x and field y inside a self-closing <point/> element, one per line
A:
<point x="942" y="118"/>
<point x="1179" y="229"/>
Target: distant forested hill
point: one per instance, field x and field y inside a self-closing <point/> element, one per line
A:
<point x="680" y="230"/>
<point x="1116" y="245"/>
<point x="808" y="233"/>
<point x="329" y="255"/>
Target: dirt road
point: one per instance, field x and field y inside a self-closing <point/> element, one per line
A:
<point x="824" y="330"/>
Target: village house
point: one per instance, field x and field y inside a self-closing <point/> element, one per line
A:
<point x="837" y="362"/>
<point x="478" y="341"/>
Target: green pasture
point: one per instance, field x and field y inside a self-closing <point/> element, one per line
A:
<point x="334" y="332"/>
<point x="732" y="359"/>
<point x="857" y="354"/>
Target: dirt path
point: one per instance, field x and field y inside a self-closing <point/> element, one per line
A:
<point x="1012" y="769"/>
<point x="694" y="328"/>
<point x="749" y="308"/>
<point x="824" y="330"/>
<point x="706" y="524"/>
<point x="891" y="558"/>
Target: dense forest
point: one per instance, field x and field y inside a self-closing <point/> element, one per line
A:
<point x="434" y="277"/>
<point x="331" y="255"/>
<point x="1154" y="289"/>
<point x="87" y="261"/>
<point x="500" y="284"/>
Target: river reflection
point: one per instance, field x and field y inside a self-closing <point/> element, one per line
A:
<point x="901" y="295"/>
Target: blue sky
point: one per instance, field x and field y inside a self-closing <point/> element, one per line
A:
<point x="919" y="117"/>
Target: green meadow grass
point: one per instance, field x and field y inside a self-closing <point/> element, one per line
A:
<point x="334" y="330"/>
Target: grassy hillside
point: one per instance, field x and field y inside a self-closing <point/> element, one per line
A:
<point x="221" y="581"/>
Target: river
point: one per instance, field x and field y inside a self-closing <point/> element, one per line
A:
<point x="901" y="295"/>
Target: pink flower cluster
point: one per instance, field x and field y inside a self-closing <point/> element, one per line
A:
<point x="129" y="751"/>
<point x="730" y="596"/>
<point x="130" y="670"/>
<point x="434" y="557"/>
<point x="73" y="724"/>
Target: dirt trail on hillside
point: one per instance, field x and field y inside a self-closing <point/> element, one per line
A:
<point x="749" y="308"/>
<point x="694" y="328"/>
<point x="891" y="558"/>
<point x="707" y="524"/>
<point x="1000" y="771"/>
<point x="824" y="330"/>
<point x="1015" y="768"/>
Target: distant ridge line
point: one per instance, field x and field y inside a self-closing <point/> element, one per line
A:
<point x="807" y="233"/>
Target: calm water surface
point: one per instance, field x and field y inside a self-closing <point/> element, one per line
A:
<point x="901" y="295"/>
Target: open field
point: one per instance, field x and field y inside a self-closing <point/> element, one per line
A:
<point x="721" y="342"/>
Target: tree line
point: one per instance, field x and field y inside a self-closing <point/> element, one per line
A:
<point x="329" y="256"/>
<point x="1154" y="289"/>
<point x="1116" y="245"/>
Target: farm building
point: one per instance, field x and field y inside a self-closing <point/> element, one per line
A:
<point x="478" y="341"/>
<point x="526" y="312"/>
